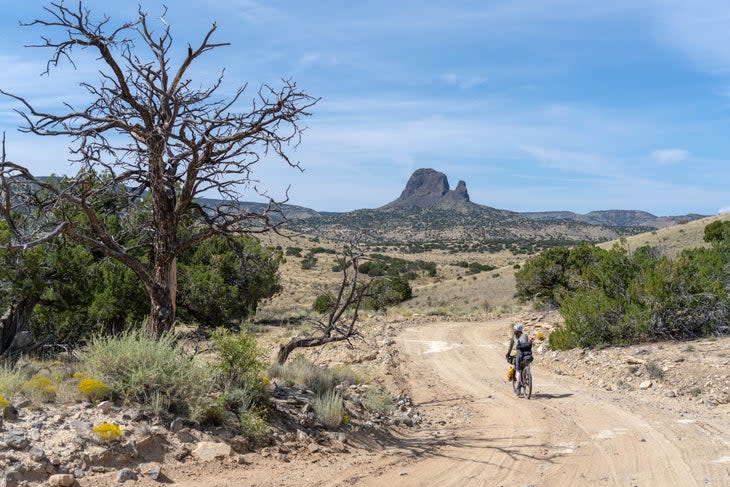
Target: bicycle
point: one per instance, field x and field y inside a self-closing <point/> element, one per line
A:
<point x="523" y="389"/>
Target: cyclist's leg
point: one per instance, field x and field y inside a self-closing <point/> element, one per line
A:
<point x="518" y="365"/>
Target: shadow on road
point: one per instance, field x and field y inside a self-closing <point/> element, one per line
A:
<point x="544" y="395"/>
<point x="447" y="446"/>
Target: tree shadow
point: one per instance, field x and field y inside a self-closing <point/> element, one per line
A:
<point x="520" y="447"/>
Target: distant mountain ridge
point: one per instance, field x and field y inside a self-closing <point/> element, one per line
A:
<point x="428" y="209"/>
<point x="621" y="218"/>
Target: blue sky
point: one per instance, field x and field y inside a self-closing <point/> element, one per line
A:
<point x="538" y="105"/>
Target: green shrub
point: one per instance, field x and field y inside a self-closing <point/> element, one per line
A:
<point x="377" y="400"/>
<point x="240" y="358"/>
<point x="294" y="251"/>
<point x="308" y="262"/>
<point x="561" y="339"/>
<point x="142" y="369"/>
<point x="323" y="303"/>
<point x="613" y="297"/>
<point x="386" y="292"/>
<point x="253" y="425"/>
<point x="329" y="409"/>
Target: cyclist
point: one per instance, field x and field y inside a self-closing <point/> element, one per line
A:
<point x="523" y="348"/>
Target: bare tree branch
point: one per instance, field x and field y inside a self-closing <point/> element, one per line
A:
<point x="347" y="300"/>
<point x="149" y="130"/>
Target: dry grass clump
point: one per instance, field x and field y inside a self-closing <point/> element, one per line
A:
<point x="329" y="409"/>
<point x="303" y="372"/>
<point x="154" y="372"/>
<point x="654" y="370"/>
<point x="11" y="380"/>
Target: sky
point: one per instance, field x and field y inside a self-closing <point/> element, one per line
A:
<point x="536" y="104"/>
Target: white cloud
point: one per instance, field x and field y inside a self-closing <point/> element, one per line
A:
<point x="464" y="82"/>
<point x="698" y="29"/>
<point x="724" y="209"/>
<point x="669" y="156"/>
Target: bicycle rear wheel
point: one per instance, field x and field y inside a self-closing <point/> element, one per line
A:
<point x="527" y="382"/>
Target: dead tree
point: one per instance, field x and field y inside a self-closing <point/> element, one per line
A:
<point x="152" y="131"/>
<point x="339" y="324"/>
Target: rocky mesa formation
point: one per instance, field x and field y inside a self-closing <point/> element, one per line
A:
<point x="428" y="188"/>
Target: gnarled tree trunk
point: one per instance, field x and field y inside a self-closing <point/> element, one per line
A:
<point x="163" y="298"/>
<point x="15" y="332"/>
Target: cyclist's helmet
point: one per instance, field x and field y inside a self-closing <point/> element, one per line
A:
<point x="518" y="327"/>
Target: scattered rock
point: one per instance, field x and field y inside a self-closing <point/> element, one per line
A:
<point x="645" y="385"/>
<point x="36" y="454"/>
<point x="81" y="427"/>
<point x="61" y="480"/>
<point x="105" y="406"/>
<point x="670" y="394"/>
<point x="209" y="450"/>
<point x="16" y="440"/>
<point x="10" y="413"/>
<point x="303" y="437"/>
<point x="10" y="479"/>
<point x="185" y="436"/>
<point x="151" y="470"/>
<point x="23" y="403"/>
<point x="126" y="474"/>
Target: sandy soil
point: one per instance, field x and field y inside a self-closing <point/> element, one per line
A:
<point x="479" y="434"/>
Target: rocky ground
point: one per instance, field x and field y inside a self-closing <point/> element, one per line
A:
<point x="57" y="445"/>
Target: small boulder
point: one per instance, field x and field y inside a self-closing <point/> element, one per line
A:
<point x="61" y="480"/>
<point x="16" y="440"/>
<point x="185" y="436"/>
<point x="209" y="450"/>
<point x="105" y="406"/>
<point x="10" y="413"/>
<point x="151" y="470"/>
<point x="126" y="474"/>
<point x="36" y="454"/>
<point x="645" y="385"/>
<point x="11" y="478"/>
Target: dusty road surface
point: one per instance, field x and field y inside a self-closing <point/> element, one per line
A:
<point x="480" y="434"/>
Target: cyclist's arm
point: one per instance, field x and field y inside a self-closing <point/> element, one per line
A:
<point x="511" y="344"/>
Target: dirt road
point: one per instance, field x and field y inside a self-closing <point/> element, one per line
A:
<point x="567" y="434"/>
<point x="480" y="434"/>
